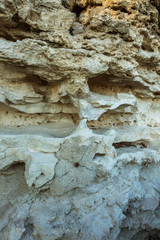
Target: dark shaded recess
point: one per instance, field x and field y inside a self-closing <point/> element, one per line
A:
<point x="8" y="32"/>
<point x="24" y="26"/>
<point x="146" y="47"/>
<point x="76" y="164"/>
<point x="156" y="3"/>
<point x="71" y="31"/>
<point x="36" y="31"/>
<point x="108" y="80"/>
<point x="151" y="235"/>
<point x="119" y="8"/>
<point x="37" y="83"/>
<point x="99" y="155"/>
<point x="129" y="144"/>
<point x="124" y="10"/>
<point x="155" y="237"/>
<point x="159" y="17"/>
<point x="4" y="34"/>
<point x="35" y="79"/>
<point x="29" y="228"/>
<point x="16" y="166"/>
<point x="157" y="93"/>
<point x="77" y="10"/>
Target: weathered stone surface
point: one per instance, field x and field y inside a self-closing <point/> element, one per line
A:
<point x="79" y="119"/>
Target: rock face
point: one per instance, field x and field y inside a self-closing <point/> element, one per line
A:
<point x="79" y="120"/>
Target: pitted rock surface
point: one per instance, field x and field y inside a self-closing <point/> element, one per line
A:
<point x="79" y="119"/>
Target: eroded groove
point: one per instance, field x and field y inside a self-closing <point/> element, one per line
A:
<point x="79" y="120"/>
<point x="129" y="144"/>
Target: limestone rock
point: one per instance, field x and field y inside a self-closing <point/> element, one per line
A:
<point x="79" y="119"/>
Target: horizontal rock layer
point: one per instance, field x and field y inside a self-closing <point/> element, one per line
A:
<point x="79" y="119"/>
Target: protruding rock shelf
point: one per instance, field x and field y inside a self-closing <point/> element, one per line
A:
<point x="79" y="120"/>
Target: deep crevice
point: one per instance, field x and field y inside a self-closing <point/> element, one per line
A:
<point x="77" y="10"/>
<point x="129" y="144"/>
<point x="19" y="31"/>
<point x="20" y="25"/>
<point x="29" y="228"/>
<point x="124" y="10"/>
<point x="7" y="37"/>
<point x="148" y="235"/>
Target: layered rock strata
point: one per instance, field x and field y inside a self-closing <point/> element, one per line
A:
<point x="79" y="119"/>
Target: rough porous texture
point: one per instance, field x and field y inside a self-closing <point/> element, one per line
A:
<point x="79" y="119"/>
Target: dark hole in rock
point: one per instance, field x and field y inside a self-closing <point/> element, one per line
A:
<point x="124" y="10"/>
<point x="76" y="164"/>
<point x="29" y="228"/>
<point x="153" y="238"/>
<point x="157" y="93"/>
<point x="5" y="35"/>
<point x="147" y="235"/>
<point x="129" y="144"/>
<point x="77" y="10"/>
<point x="20" y="25"/>
<point x="15" y="17"/>
<point x="99" y="155"/>
<point x="36" y="31"/>
<point x="71" y="31"/>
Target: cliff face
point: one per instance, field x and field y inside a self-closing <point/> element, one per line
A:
<point x="79" y="120"/>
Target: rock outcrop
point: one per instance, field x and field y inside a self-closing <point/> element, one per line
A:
<point x="79" y="119"/>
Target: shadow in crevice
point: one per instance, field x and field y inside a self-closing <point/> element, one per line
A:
<point x="147" y="235"/>
<point x="22" y="26"/>
<point x="156" y="4"/>
<point x="77" y="10"/>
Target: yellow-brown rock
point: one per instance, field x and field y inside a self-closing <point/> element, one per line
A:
<point x="79" y="119"/>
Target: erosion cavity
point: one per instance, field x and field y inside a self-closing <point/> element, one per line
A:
<point x="109" y="84"/>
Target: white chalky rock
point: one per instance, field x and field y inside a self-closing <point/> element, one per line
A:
<point x="79" y="120"/>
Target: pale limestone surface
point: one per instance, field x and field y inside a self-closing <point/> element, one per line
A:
<point x="79" y="119"/>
